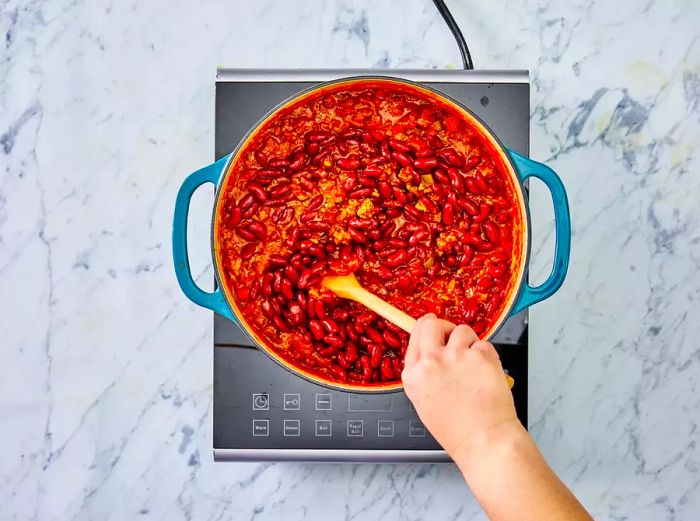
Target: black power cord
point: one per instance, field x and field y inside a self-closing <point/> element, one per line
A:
<point x="461" y="42"/>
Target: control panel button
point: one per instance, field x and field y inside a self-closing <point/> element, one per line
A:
<point x="292" y="428"/>
<point x="385" y="428"/>
<point x="261" y="402"/>
<point x="416" y="429"/>
<point x="324" y="428"/>
<point x="323" y="402"/>
<point x="292" y="402"/>
<point x="355" y="428"/>
<point x="261" y="427"/>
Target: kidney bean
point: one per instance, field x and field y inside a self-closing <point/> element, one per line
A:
<point x="348" y="163"/>
<point x="448" y="214"/>
<point x="236" y="215"/>
<point x="398" y="146"/>
<point x="342" y="361"/>
<point x="298" y="162"/>
<point x="493" y="234"/>
<point x="291" y="274"/>
<point x="277" y="261"/>
<point x="412" y="212"/>
<point x="426" y="152"/>
<point x="258" y="229"/>
<point x="246" y="201"/>
<point x="418" y="236"/>
<point x="387" y="228"/>
<point x="278" y="163"/>
<point x="372" y="171"/>
<point x="245" y="234"/>
<point x="366" y="182"/>
<point x="425" y="163"/>
<point x="248" y="250"/>
<point x="280" y="191"/>
<point x="330" y="325"/>
<point x="395" y="242"/>
<point x="484" y="211"/>
<point x="455" y="179"/>
<point x="387" y="369"/>
<point x="396" y="258"/>
<point x="428" y="204"/>
<point x="472" y="186"/>
<point x="334" y="340"/>
<point x="375" y="354"/>
<point x="260" y="157"/>
<point x="390" y="339"/>
<point x="306" y="184"/>
<point x="280" y="324"/>
<point x="469" y="206"/>
<point x="320" y="311"/>
<point x="351" y="331"/>
<point x="266" y="287"/>
<point x="374" y="335"/>
<point x="441" y="176"/>
<point x="351" y="354"/>
<point x="327" y="352"/>
<point x="399" y="195"/>
<point x="317" y="135"/>
<point x="307" y="279"/>
<point x="251" y="210"/>
<point x="366" y="368"/>
<point x="467" y="256"/>
<point x="316" y="328"/>
<point x="481" y="183"/>
<point x="258" y="191"/>
<point x="453" y="157"/>
<point x="401" y="158"/>
<point x="360" y="193"/>
<point x="385" y="190"/>
<point x="321" y="156"/>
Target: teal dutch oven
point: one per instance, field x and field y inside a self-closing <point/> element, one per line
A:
<point x="521" y="168"/>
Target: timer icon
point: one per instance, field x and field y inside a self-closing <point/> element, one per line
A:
<point x="261" y="402"/>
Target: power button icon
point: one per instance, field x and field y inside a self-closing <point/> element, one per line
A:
<point x="261" y="402"/>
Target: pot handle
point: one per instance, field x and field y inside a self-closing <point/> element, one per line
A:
<point x="562" y="223"/>
<point x="214" y="300"/>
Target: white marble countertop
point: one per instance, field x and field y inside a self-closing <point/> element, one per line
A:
<point x="106" y="372"/>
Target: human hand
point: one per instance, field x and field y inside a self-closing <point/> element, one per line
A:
<point x="456" y="383"/>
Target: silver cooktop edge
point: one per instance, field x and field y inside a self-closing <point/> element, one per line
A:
<point x="435" y="75"/>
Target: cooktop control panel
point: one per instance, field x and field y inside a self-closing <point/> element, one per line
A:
<point x="262" y="405"/>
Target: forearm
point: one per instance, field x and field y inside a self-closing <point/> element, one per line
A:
<point x="511" y="480"/>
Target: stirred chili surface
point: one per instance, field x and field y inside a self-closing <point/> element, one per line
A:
<point x="377" y="178"/>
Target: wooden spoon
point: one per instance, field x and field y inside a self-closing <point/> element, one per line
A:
<point x="347" y="286"/>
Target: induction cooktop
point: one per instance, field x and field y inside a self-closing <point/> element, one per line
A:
<point x="262" y="412"/>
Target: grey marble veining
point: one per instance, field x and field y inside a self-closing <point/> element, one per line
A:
<point x="105" y="380"/>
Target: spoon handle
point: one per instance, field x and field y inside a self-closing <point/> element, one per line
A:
<point x="384" y="309"/>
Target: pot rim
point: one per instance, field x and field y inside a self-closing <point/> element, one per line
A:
<point x="521" y="195"/>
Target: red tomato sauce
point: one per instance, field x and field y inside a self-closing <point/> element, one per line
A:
<point x="380" y="179"/>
